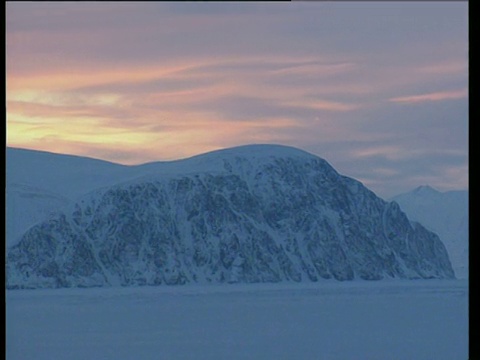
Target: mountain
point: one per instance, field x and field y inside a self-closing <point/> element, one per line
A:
<point x="40" y="182"/>
<point x="444" y="213"/>
<point x="257" y="213"/>
<point x="26" y="206"/>
<point x="67" y="176"/>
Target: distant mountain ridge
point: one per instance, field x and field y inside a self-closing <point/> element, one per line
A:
<point x="257" y="213"/>
<point x="68" y="176"/>
<point x="444" y="213"/>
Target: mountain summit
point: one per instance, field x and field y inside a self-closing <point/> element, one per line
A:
<point x="259" y="213"/>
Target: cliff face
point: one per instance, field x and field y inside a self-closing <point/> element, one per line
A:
<point x="250" y="214"/>
<point x="444" y="213"/>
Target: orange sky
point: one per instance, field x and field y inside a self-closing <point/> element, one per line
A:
<point x="134" y="83"/>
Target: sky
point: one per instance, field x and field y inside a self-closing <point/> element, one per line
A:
<point x="378" y="89"/>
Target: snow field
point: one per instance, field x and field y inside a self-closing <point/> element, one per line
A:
<point x="326" y="320"/>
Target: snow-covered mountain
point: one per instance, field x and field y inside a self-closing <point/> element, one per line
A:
<point x="444" y="213"/>
<point x="67" y="176"/>
<point x="26" y="206"/>
<point x="258" y="213"/>
<point x="39" y="183"/>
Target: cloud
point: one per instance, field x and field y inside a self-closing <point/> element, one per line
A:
<point x="323" y="105"/>
<point x="165" y="80"/>
<point x="436" y="96"/>
<point x="455" y="66"/>
<point x="314" y="68"/>
<point x="389" y="176"/>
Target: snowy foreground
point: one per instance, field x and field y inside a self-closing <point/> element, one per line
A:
<point x="328" y="320"/>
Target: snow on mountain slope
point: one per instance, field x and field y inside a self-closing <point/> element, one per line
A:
<point x="444" y="213"/>
<point x="40" y="182"/>
<point x="259" y="213"/>
<point x="26" y="206"/>
<point x="64" y="175"/>
<point x="71" y="176"/>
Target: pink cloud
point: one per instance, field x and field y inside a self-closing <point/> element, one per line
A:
<point x="436" y="96"/>
<point x="311" y="69"/>
<point x="324" y="105"/>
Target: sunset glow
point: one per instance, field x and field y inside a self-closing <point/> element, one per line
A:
<point x="377" y="89"/>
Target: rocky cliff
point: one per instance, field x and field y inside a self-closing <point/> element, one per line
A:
<point x="247" y="214"/>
